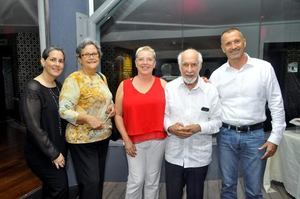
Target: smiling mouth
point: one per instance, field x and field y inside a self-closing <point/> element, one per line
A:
<point x="56" y="70"/>
<point x="190" y="75"/>
<point x="92" y="62"/>
<point x="235" y="51"/>
<point x="145" y="67"/>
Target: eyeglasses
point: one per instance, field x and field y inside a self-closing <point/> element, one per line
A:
<point x="90" y="55"/>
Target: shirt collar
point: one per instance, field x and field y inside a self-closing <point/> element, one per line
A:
<point x="200" y="83"/>
<point x="247" y="64"/>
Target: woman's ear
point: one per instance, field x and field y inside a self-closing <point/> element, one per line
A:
<point x="79" y="60"/>
<point x="43" y="62"/>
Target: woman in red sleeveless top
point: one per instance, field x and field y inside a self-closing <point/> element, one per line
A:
<point x="140" y="106"/>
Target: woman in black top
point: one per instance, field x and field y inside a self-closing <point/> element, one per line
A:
<point x="45" y="147"/>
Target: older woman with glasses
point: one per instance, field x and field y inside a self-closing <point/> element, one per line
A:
<point x="86" y="103"/>
<point x="140" y="106"/>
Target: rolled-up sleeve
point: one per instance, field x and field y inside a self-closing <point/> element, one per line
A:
<point x="68" y="100"/>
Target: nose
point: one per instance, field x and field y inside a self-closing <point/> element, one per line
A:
<point x="189" y="69"/>
<point x="234" y="45"/>
<point x="58" y="63"/>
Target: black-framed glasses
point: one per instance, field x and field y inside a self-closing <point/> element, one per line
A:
<point x="88" y="55"/>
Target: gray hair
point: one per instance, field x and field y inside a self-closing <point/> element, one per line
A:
<point x="146" y="48"/>
<point x="179" y="58"/>
<point x="84" y="43"/>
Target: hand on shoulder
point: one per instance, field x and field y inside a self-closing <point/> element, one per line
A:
<point x="205" y="79"/>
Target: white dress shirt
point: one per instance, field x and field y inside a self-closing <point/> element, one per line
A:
<point x="244" y="93"/>
<point x="199" y="105"/>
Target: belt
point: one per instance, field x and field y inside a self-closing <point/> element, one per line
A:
<point x="243" y="129"/>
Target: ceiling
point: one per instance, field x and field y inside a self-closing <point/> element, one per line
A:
<point x="204" y="13"/>
<point x="177" y="24"/>
<point x="168" y="20"/>
<point x="169" y="14"/>
<point x="18" y="16"/>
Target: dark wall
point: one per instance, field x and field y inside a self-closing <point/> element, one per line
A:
<point x="19" y="62"/>
<point x="280" y="55"/>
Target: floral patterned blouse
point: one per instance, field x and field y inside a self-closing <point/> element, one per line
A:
<point x="82" y="93"/>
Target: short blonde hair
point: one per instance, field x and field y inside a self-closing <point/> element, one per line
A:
<point x="145" y="48"/>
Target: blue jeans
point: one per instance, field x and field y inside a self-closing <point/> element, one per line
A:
<point x="236" y="148"/>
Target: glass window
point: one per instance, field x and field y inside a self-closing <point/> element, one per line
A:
<point x="272" y="30"/>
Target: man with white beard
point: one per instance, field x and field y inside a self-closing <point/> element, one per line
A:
<point x="192" y="115"/>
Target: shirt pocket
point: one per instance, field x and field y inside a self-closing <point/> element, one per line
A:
<point x="199" y="113"/>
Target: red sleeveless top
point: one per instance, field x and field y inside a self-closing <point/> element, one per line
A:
<point x="143" y="113"/>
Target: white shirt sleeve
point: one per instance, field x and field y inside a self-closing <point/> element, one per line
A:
<point x="275" y="104"/>
<point x="167" y="118"/>
<point x="214" y="123"/>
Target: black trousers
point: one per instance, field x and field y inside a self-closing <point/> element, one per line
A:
<point x="177" y="177"/>
<point x="55" y="181"/>
<point x="89" y="164"/>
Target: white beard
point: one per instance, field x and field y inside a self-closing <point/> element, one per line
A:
<point x="189" y="80"/>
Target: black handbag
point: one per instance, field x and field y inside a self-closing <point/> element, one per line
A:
<point x="115" y="135"/>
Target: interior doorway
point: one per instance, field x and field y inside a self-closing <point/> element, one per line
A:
<point x="9" y="101"/>
<point x="285" y="58"/>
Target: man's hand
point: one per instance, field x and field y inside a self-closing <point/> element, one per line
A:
<point x="193" y="128"/>
<point x="270" y="150"/>
<point x="182" y="131"/>
<point x="205" y="79"/>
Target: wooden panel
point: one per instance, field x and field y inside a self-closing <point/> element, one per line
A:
<point x="16" y="179"/>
